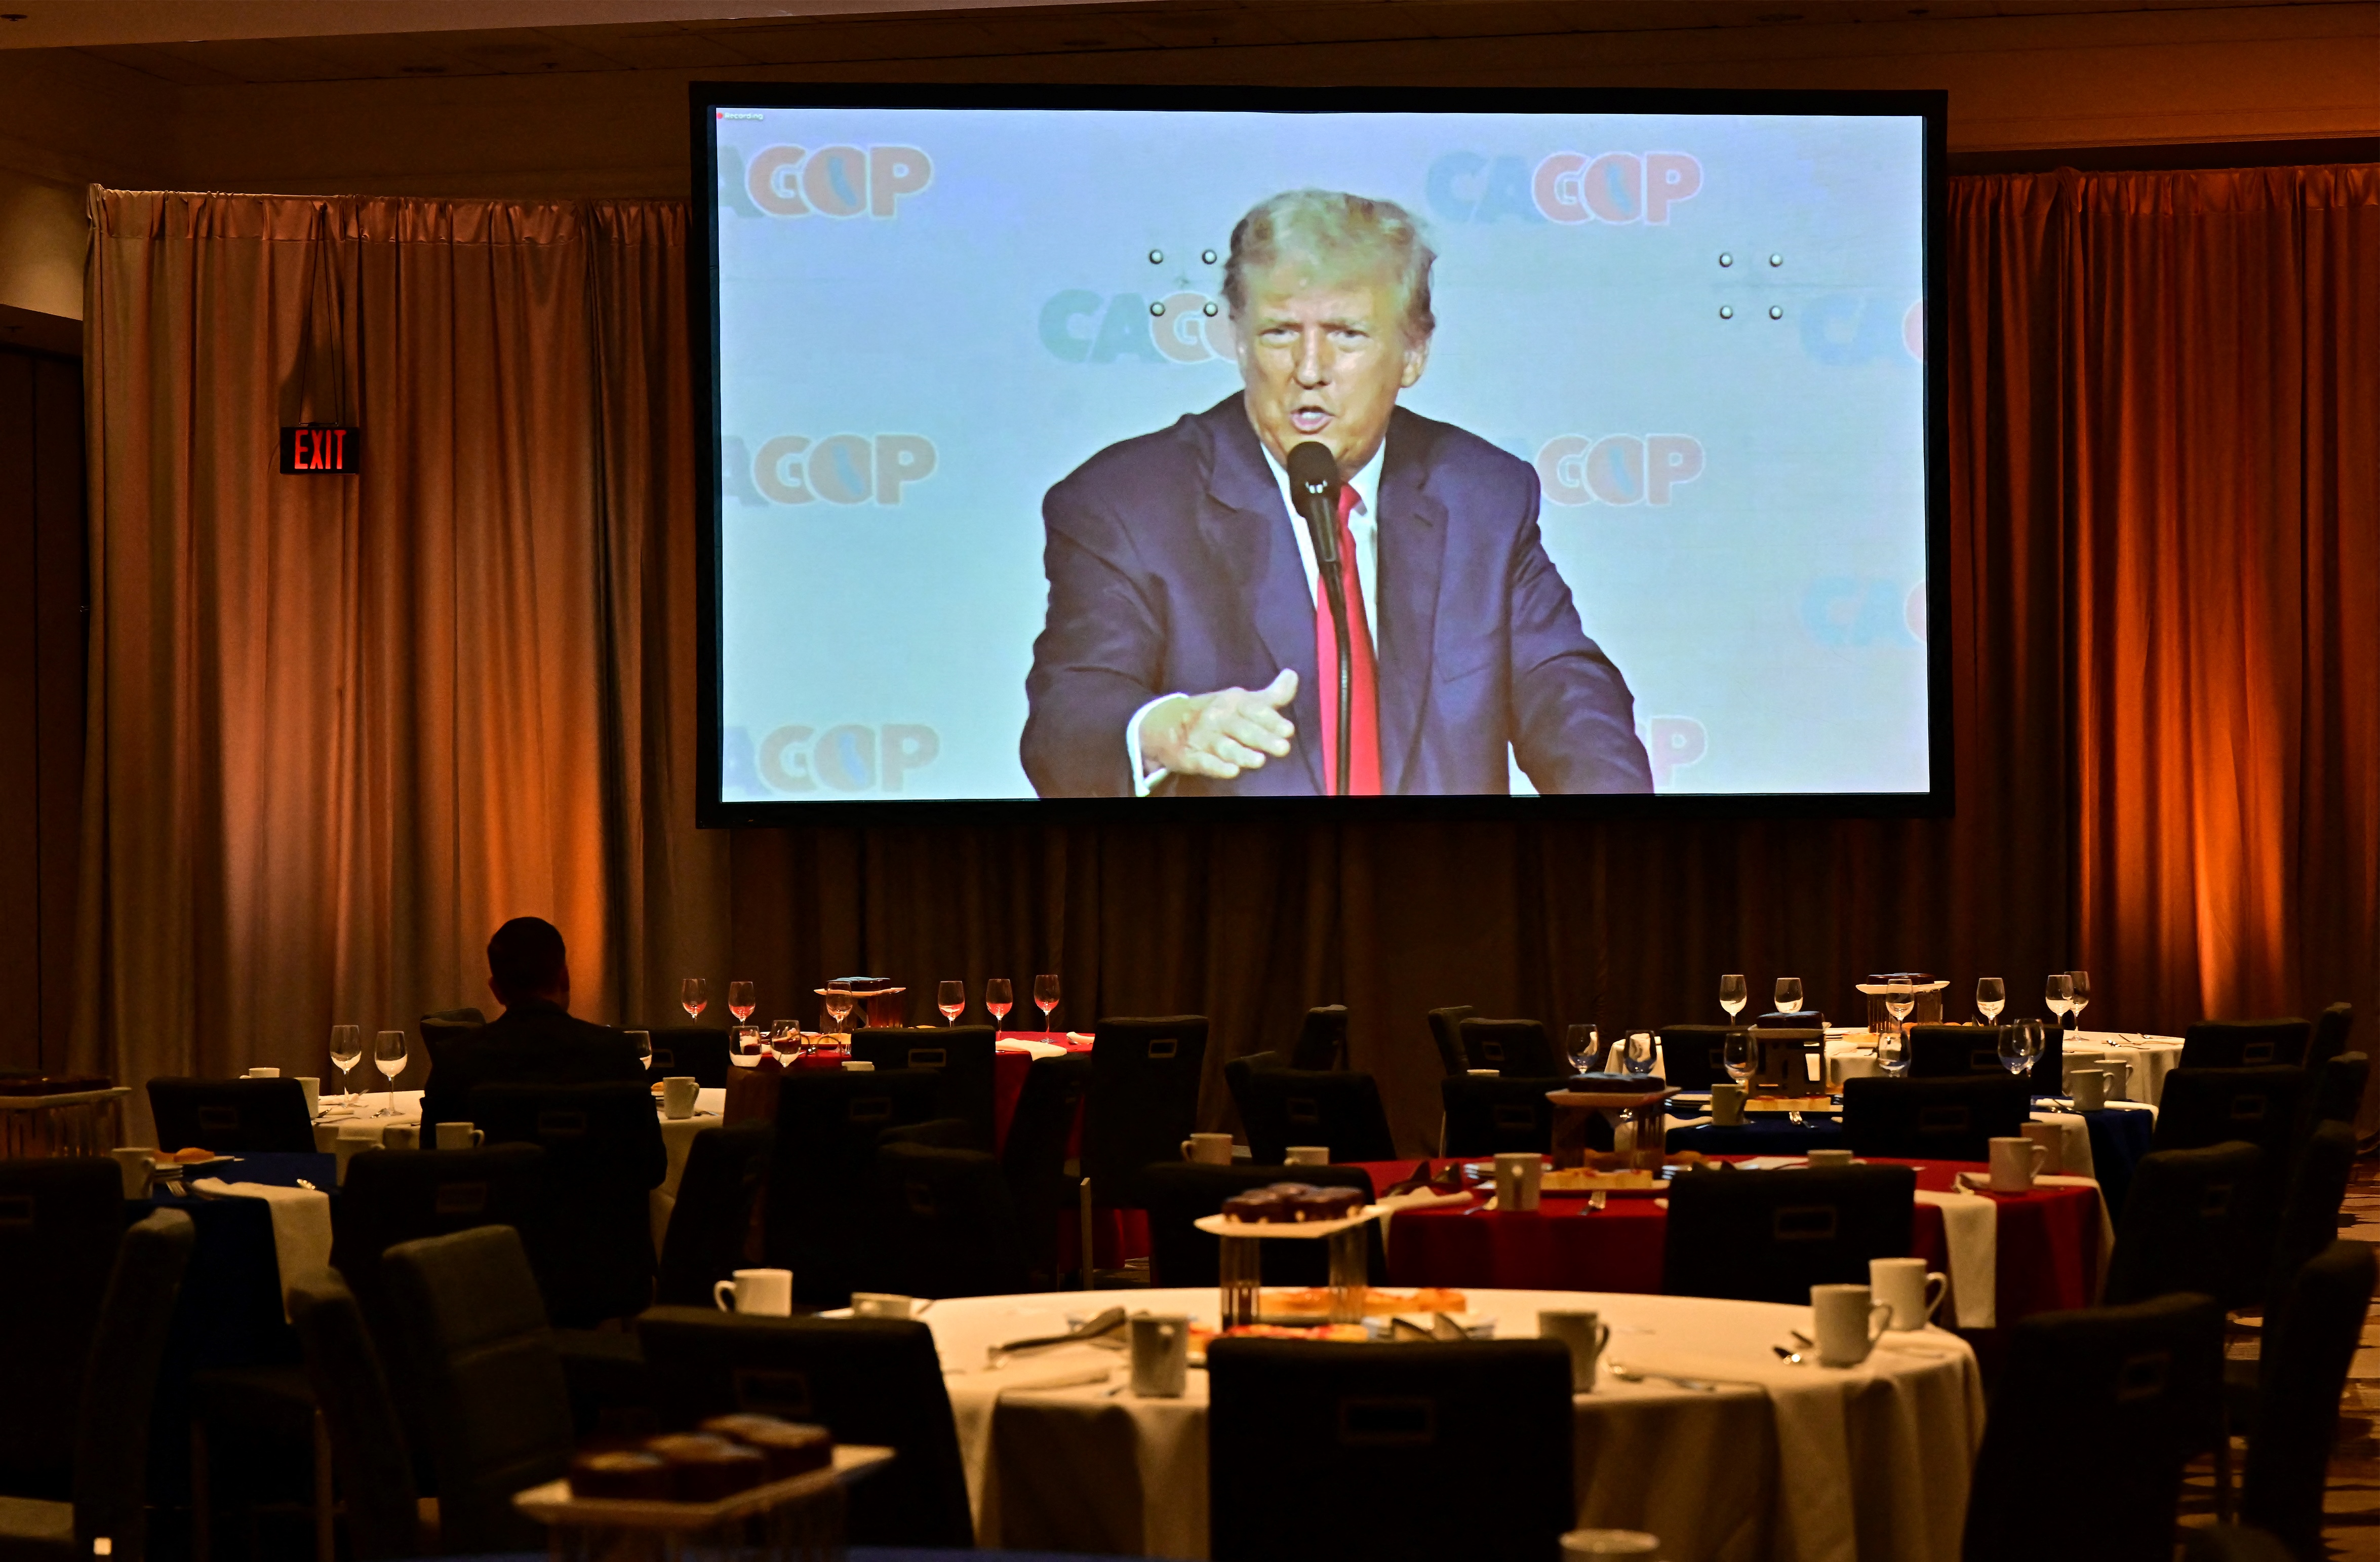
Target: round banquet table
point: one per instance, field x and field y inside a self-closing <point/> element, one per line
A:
<point x="1779" y="1461"/>
<point x="1852" y="1055"/>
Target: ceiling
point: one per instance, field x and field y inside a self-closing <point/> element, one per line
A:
<point x="257" y="42"/>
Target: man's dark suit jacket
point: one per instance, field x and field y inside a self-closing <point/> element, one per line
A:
<point x="534" y="1043"/>
<point x="1173" y="569"/>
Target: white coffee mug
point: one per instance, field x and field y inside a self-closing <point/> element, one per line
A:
<point x="2119" y="1077"/>
<point x="1161" y="1355"/>
<point x="459" y="1136"/>
<point x="134" y="1162"/>
<point x="678" y="1092"/>
<point x="2052" y="1139"/>
<point x="765" y="1293"/>
<point x="1822" y="1158"/>
<point x="401" y="1136"/>
<point x="1589" y="1545"/>
<point x="1207" y="1149"/>
<point x="1520" y="1178"/>
<point x="312" y="1085"/>
<point x="2016" y="1161"/>
<point x="1585" y="1334"/>
<point x="1907" y="1287"/>
<point x="1848" y="1321"/>
<point x="1306" y="1155"/>
<point x="264" y="1073"/>
<point x="2088" y="1087"/>
<point x="1727" y="1104"/>
<point x="880" y="1304"/>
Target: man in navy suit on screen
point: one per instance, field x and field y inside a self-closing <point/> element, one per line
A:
<point x="1184" y="652"/>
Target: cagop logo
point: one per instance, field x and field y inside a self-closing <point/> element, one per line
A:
<point x="1671" y="744"/>
<point x="849" y="757"/>
<point x="1081" y="326"/>
<point x="846" y="469"/>
<point x="1618" y="469"/>
<point x="832" y="181"/>
<point x="1614" y="187"/>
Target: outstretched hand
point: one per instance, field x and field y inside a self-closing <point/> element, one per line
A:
<point x="1217" y="736"/>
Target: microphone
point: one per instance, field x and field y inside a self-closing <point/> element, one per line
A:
<point x="1314" y="479"/>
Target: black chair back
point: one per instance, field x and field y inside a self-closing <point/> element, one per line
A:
<point x="1492" y="1117"/>
<point x="1952" y="1120"/>
<point x="1692" y="1056"/>
<point x="1949" y="1051"/>
<point x="1770" y="1236"/>
<point x="2133" y="1384"/>
<point x="2340" y="1097"/>
<point x="827" y="1123"/>
<point x="232" y="1117"/>
<point x="2245" y="1043"/>
<point x="945" y="1225"/>
<point x="1180" y="1193"/>
<point x="368" y="1438"/>
<point x="725" y="1169"/>
<point x="591" y="1239"/>
<point x="867" y="1380"/>
<point x="389" y="1198"/>
<point x="1036" y="1155"/>
<point x="1385" y="1430"/>
<point x="2300" y="1377"/>
<point x="2184" y="1224"/>
<point x="2309" y="1207"/>
<point x="699" y="1052"/>
<point x="1321" y="1038"/>
<point x="1517" y="1047"/>
<point x="2330" y="1031"/>
<point x="1144" y="1100"/>
<point x="60" y="1224"/>
<point x="1284" y="1106"/>
<point x="1446" y="1033"/>
<point x="119" y="1385"/>
<point x="490" y="1381"/>
<point x="444" y="1026"/>
<point x="961" y="1058"/>
<point x="2266" y="1106"/>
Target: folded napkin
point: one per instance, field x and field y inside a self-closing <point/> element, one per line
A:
<point x="301" y="1224"/>
<point x="1971" y="1228"/>
<point x="1419" y="1199"/>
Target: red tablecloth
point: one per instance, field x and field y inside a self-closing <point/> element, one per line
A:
<point x="2048" y="1243"/>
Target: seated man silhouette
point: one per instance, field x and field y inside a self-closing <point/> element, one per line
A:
<point x="536" y="1041"/>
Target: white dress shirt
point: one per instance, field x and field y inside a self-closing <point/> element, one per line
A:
<point x="1365" y="526"/>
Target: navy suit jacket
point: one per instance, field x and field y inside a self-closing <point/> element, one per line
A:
<point x="1173" y="569"/>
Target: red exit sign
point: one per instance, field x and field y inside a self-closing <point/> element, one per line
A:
<point x="321" y="448"/>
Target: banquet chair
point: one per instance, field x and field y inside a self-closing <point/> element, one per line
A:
<point x="1953" y="1119"/>
<point x="368" y="1448"/>
<point x="961" y="1058"/>
<point x="725" y="1169"/>
<point x="1691" y="1055"/>
<point x="1321" y="1038"/>
<point x="1036" y="1157"/>
<point x="1516" y="1048"/>
<point x="2302" y="1372"/>
<point x="867" y="1380"/>
<point x="1284" y="1106"/>
<point x="2131" y="1384"/>
<point x="495" y="1401"/>
<point x="2245" y="1043"/>
<point x="1446" y="1033"/>
<point x="699" y="1052"/>
<point x="2184" y="1224"/>
<point x="2261" y="1105"/>
<point x="106" y="1511"/>
<point x="1182" y="1192"/>
<point x="232" y="1117"/>
<point x="2329" y="1037"/>
<point x="942" y="1225"/>
<point x="1142" y="1104"/>
<point x="827" y="1123"/>
<point x="589" y="1234"/>
<point x="444" y="1026"/>
<point x="2308" y="1224"/>
<point x="1946" y="1052"/>
<point x="1420" y="1451"/>
<point x="1770" y="1236"/>
<point x="2339" y="1096"/>
<point x="1491" y="1117"/>
<point x="60" y="1223"/>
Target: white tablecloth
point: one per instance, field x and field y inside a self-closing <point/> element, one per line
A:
<point x="1800" y="1464"/>
<point x="2151" y="1058"/>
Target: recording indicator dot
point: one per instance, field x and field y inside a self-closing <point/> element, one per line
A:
<point x="1725" y="259"/>
<point x="1207" y="256"/>
<point x="1776" y="311"/>
<point x="1157" y="257"/>
<point x="1776" y="259"/>
<point x="1157" y="308"/>
<point x="1727" y="312"/>
<point x="1211" y="309"/>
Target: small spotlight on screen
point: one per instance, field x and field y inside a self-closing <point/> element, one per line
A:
<point x="1186" y="453"/>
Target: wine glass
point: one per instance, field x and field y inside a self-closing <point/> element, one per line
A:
<point x="694" y="995"/>
<point x="1636" y="1053"/>
<point x="951" y="998"/>
<point x="1892" y="1051"/>
<point x="1991" y="996"/>
<point x="643" y="1042"/>
<point x="998" y="1000"/>
<point x="1583" y="1047"/>
<point x="784" y="1039"/>
<point x="1739" y="1052"/>
<point x="2078" y="992"/>
<point x="2059" y="991"/>
<point x="2021" y="1044"/>
<point x="838" y="1008"/>
<point x="1045" y="997"/>
<point x="1899" y="997"/>
<point x="388" y="1057"/>
<point x="1789" y="994"/>
<point x="740" y="1001"/>
<point x="346" y="1050"/>
<point x="1733" y="995"/>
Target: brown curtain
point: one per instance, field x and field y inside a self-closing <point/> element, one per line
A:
<point x="342" y="726"/>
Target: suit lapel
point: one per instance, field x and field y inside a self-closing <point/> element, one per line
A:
<point x="1247" y="528"/>
<point x="1413" y="527"/>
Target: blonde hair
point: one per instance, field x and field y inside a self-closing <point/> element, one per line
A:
<point x="1341" y="232"/>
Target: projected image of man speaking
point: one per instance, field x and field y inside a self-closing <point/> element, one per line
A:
<point x="1184" y="652"/>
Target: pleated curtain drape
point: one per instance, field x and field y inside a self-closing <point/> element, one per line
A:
<point x="340" y="727"/>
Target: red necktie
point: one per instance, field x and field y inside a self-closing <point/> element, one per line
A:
<point x="1364" y="720"/>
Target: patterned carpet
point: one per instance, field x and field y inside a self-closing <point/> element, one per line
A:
<point x="2352" y="1526"/>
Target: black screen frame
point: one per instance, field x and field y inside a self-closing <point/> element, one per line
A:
<point x="713" y="811"/>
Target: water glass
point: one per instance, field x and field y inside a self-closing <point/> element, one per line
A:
<point x="2059" y="992"/>
<point x="642" y="1041"/>
<point x="1637" y="1054"/>
<point x="951" y="998"/>
<point x="1733" y="994"/>
<point x="694" y="995"/>
<point x="1740" y="1052"/>
<point x="1045" y="997"/>
<point x="2078" y="993"/>
<point x="1991" y="996"/>
<point x="1892" y="1051"/>
<point x="998" y="1000"/>
<point x="1583" y="1047"/>
<point x="1789" y="994"/>
<point x="388" y="1057"/>
<point x="346" y="1050"/>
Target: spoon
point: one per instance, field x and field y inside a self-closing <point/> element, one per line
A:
<point x="1791" y="1358"/>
